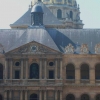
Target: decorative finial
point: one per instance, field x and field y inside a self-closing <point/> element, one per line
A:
<point x="78" y="6"/>
<point x="31" y="4"/>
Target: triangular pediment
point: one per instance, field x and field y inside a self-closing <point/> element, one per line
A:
<point x="33" y="48"/>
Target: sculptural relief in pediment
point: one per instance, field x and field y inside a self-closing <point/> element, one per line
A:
<point x="33" y="48"/>
<point x="69" y="49"/>
<point x="97" y="48"/>
<point x="84" y="49"/>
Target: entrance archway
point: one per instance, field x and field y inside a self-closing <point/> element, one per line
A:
<point x="1" y="97"/>
<point x="70" y="97"/>
<point x="1" y="71"/>
<point x="33" y="97"/>
<point x="85" y="97"/>
<point x="34" y="71"/>
<point x="98" y="97"/>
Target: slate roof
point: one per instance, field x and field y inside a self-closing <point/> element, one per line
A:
<point x="39" y="35"/>
<point x="48" y="17"/>
<point x="56" y="39"/>
<point x="77" y="37"/>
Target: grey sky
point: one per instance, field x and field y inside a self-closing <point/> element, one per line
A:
<point x="11" y="10"/>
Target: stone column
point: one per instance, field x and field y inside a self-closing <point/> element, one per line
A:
<point x="45" y="69"/>
<point x="45" y="97"/>
<point x="10" y="94"/>
<point x="21" y="68"/>
<point x="60" y="68"/>
<point x="56" y="69"/>
<point x="6" y="69"/>
<point x="56" y="95"/>
<point x="92" y="75"/>
<point x="21" y="95"/>
<point x="27" y="69"/>
<point x="77" y="76"/>
<point x="11" y="65"/>
<point x="40" y="95"/>
<point x="60" y="95"/>
<point x="26" y="97"/>
<point x="40" y="71"/>
<point x="5" y="95"/>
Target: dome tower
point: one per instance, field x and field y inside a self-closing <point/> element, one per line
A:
<point x="67" y="11"/>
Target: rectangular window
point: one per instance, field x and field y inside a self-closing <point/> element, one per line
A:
<point x="51" y="74"/>
<point x="17" y="74"/>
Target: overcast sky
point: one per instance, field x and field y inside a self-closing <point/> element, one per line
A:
<point x="11" y="10"/>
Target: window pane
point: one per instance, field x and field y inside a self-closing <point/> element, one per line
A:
<point x="17" y="74"/>
<point x="51" y="74"/>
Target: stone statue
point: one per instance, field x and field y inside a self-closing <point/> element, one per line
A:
<point x="75" y="4"/>
<point x="77" y="17"/>
<point x="68" y="17"/>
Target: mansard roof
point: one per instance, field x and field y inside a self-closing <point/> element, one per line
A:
<point x="56" y="39"/>
<point x="48" y="17"/>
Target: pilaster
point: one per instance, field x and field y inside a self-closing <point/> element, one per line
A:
<point x="77" y="75"/>
<point x="40" y="71"/>
<point x="92" y="75"/>
<point x="60" y="68"/>
<point x="22" y="68"/>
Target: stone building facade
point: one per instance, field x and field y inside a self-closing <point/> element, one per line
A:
<point x="47" y="61"/>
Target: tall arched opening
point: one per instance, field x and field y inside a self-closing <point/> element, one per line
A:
<point x="1" y="98"/>
<point x="34" y="71"/>
<point x="85" y="97"/>
<point x="97" y="72"/>
<point x="1" y="71"/>
<point x="59" y="14"/>
<point x="33" y="97"/>
<point x="70" y="97"/>
<point x="70" y="71"/>
<point x="97" y="97"/>
<point x="84" y="71"/>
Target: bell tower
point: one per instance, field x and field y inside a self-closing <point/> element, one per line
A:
<point x="37" y="15"/>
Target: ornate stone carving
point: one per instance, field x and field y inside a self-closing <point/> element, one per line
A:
<point x="69" y="49"/>
<point x="33" y="49"/>
<point x="97" y="48"/>
<point x="84" y="49"/>
<point x="23" y="49"/>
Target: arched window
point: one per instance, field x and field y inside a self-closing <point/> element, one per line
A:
<point x="70" y="71"/>
<point x="59" y="14"/>
<point x="1" y="71"/>
<point x="98" y="97"/>
<point x="1" y="97"/>
<point x="71" y="14"/>
<point x="84" y="71"/>
<point x="97" y="72"/>
<point x="85" y="97"/>
<point x="33" y="97"/>
<point x="70" y="97"/>
<point x="34" y="71"/>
